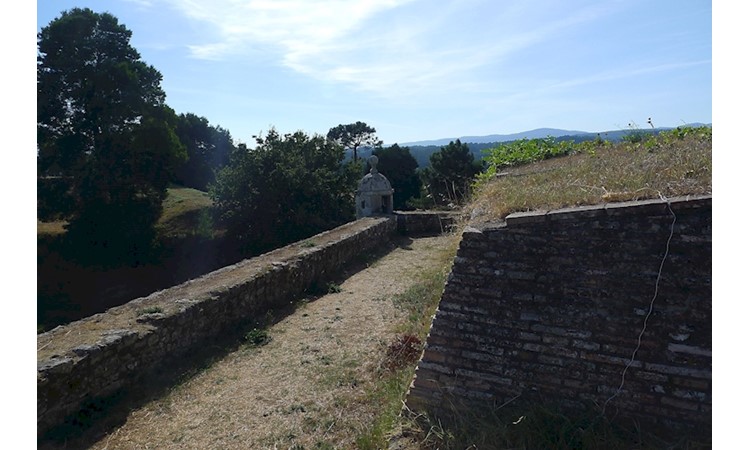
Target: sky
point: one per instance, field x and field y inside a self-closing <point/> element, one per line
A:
<point x="423" y="69"/>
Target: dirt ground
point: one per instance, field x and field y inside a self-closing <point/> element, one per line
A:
<point x="309" y="387"/>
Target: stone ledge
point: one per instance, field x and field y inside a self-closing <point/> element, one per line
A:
<point x="118" y="348"/>
<point x="652" y="206"/>
<point x="425" y="222"/>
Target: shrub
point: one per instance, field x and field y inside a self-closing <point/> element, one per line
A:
<point x="257" y="337"/>
<point x="403" y="351"/>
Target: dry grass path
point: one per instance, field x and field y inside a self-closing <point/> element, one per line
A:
<point x="310" y="387"/>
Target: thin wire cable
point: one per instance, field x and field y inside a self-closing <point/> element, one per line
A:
<point x="650" y="308"/>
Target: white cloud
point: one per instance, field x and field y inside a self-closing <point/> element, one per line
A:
<point x="628" y="72"/>
<point x="394" y="48"/>
<point x="296" y="26"/>
<point x="142" y="3"/>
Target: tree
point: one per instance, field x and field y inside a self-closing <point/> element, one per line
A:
<point x="103" y="126"/>
<point x="400" y="167"/>
<point x="208" y="149"/>
<point x="450" y="173"/>
<point x="289" y="187"/>
<point x="353" y="136"/>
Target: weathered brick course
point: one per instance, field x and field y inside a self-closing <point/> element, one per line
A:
<point x="554" y="302"/>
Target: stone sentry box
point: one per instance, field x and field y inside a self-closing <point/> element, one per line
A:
<point x="374" y="195"/>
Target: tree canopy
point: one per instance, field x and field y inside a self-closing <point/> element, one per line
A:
<point x="103" y="127"/>
<point x="400" y="167"/>
<point x="451" y="171"/>
<point x="289" y="187"/>
<point x="354" y="135"/>
<point x="208" y="149"/>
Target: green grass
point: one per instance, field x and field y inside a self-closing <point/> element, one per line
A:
<point x="390" y="392"/>
<point x="151" y="310"/>
<point x="257" y="337"/>
<point x="186" y="212"/>
<point x="524" y="151"/>
<point x="419" y="303"/>
<point x="531" y="425"/>
<point x="333" y="288"/>
<point x="181" y="200"/>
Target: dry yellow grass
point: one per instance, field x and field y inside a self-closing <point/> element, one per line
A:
<point x="664" y="166"/>
<point x="50" y="228"/>
<point x="313" y="386"/>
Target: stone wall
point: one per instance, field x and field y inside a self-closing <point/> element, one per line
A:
<point x="552" y="304"/>
<point x="95" y="357"/>
<point x="426" y="222"/>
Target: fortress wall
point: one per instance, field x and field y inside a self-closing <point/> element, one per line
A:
<point x="550" y="305"/>
<point x="127" y="343"/>
<point x="425" y="222"/>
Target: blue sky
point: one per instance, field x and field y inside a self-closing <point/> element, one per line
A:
<point x="424" y="69"/>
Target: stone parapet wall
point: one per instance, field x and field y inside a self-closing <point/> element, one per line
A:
<point x="426" y="222"/>
<point x="96" y="356"/>
<point x="552" y="304"/>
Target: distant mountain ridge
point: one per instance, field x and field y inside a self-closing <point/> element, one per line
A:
<point x="534" y="134"/>
<point x="531" y="134"/>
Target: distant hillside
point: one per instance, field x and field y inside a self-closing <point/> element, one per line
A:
<point x="421" y="150"/>
<point x="537" y="133"/>
<point x="532" y="134"/>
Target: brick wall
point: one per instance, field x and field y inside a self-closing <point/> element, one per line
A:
<point x="552" y="304"/>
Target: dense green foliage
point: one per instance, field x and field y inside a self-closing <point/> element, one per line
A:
<point x="400" y="167"/>
<point x="104" y="129"/>
<point x="422" y="152"/>
<point x="287" y="188"/>
<point x="354" y="135"/>
<point x="208" y="148"/>
<point x="524" y="151"/>
<point x="450" y="174"/>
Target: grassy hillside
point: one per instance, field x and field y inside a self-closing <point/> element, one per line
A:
<point x="674" y="163"/>
<point x="185" y="212"/>
<point x="188" y="246"/>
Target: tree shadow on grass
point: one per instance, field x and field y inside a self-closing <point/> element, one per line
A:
<point x="101" y="416"/>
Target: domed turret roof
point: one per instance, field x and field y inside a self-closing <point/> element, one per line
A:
<point x="374" y="182"/>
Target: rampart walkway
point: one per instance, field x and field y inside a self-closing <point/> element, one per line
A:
<point x="310" y="385"/>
